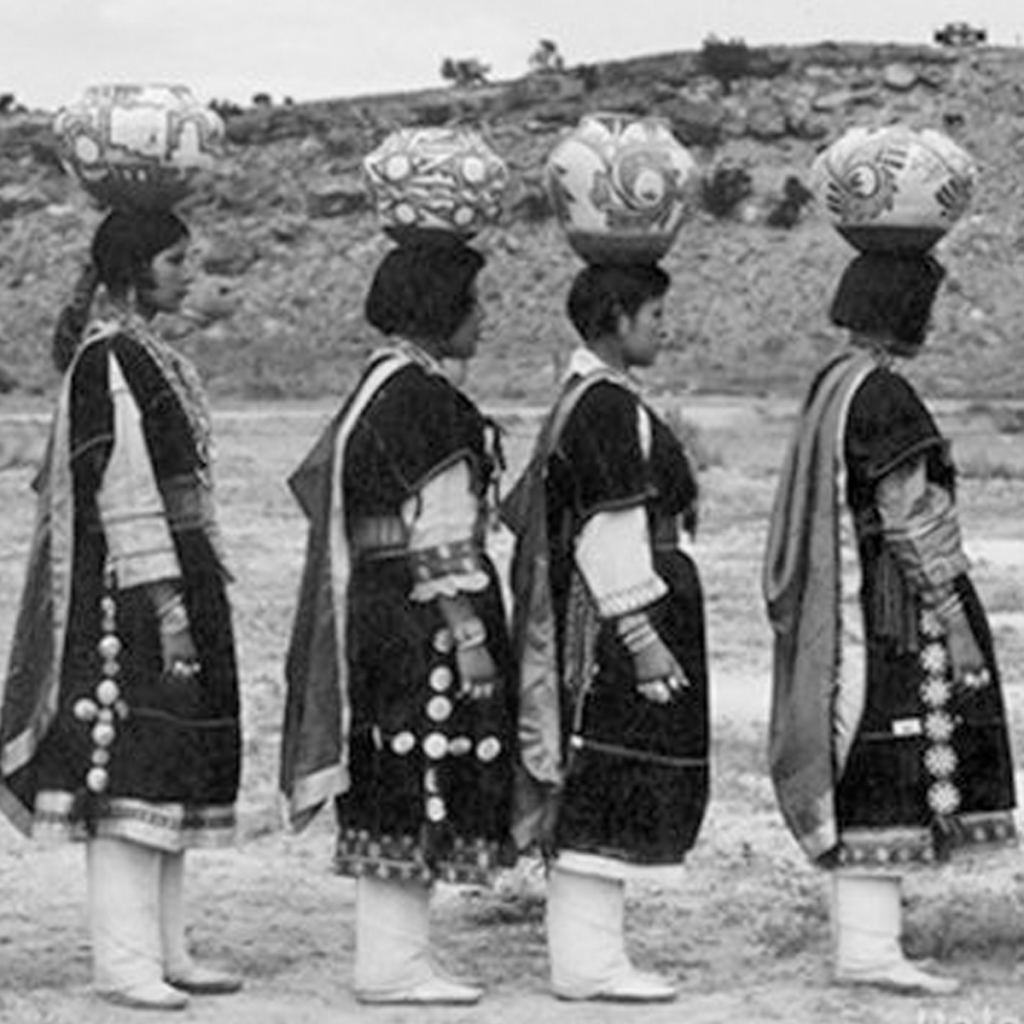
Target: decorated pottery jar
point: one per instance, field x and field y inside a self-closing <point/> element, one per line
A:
<point x="445" y="179"/>
<point x="137" y="146"/>
<point x="894" y="188"/>
<point x="621" y="187"/>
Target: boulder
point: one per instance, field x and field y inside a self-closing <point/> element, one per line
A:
<point x="16" y="200"/>
<point x="899" y="77"/>
<point x="229" y="256"/>
<point x="331" y="197"/>
<point x="766" y="120"/>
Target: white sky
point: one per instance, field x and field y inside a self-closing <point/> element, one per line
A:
<point x="317" y="49"/>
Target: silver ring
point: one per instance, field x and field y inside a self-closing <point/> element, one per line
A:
<point x="185" y="669"/>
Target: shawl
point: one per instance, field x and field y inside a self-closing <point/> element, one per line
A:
<point x="801" y="586"/>
<point x="534" y="637"/>
<point x="315" y="737"/>
<point x="28" y="704"/>
<point x="31" y="689"/>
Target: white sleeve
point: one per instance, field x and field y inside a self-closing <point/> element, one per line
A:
<point x="613" y="552"/>
<point x="442" y="519"/>
<point x="130" y="506"/>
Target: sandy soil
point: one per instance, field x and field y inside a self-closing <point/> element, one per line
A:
<point x="745" y="935"/>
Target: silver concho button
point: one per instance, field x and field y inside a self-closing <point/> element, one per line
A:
<point x="459" y="745"/>
<point x="488" y="748"/>
<point x="85" y="710"/>
<point x="97" y="780"/>
<point x="109" y="646"/>
<point x="435" y="809"/>
<point x="441" y="678"/>
<point x="439" y="708"/>
<point x="444" y="642"/>
<point x="103" y="734"/>
<point x="107" y="692"/>
<point x="402" y="743"/>
<point x="435" y="746"/>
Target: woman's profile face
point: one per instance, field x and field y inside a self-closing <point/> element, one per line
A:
<point x="462" y="344"/>
<point x="643" y="335"/>
<point x="171" y="278"/>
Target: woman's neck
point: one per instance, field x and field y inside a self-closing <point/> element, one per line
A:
<point x="884" y="345"/>
<point x="609" y="350"/>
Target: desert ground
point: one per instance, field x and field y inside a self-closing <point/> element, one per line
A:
<point x="746" y="935"/>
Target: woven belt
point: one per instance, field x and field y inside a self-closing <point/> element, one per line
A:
<point x="188" y="503"/>
<point x="379" y="537"/>
<point x="665" y="532"/>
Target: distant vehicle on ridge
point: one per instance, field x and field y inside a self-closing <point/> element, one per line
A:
<point x="959" y="33"/>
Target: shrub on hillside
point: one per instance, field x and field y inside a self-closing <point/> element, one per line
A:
<point x="546" y="58"/>
<point x="795" y="196"/>
<point x="725" y="60"/>
<point x="724" y="189"/>
<point x="466" y="72"/>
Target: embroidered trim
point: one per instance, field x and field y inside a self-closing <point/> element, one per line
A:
<point x="467" y="862"/>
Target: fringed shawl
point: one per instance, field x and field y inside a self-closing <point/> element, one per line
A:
<point x="801" y="586"/>
<point x="534" y="636"/>
<point x="315" y="751"/>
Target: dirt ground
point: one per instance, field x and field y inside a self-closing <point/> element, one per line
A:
<point x="745" y="935"/>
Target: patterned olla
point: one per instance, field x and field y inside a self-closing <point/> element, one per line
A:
<point x="436" y="178"/>
<point x="137" y="146"/>
<point x="894" y="188"/>
<point x="621" y="187"/>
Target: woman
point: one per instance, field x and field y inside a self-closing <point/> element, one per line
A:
<point x="398" y="704"/>
<point x="888" y="750"/>
<point x="610" y="635"/>
<point x="120" y="717"/>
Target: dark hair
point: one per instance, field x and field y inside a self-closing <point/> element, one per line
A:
<point x="601" y="294"/>
<point x="121" y="258"/>
<point x="423" y="289"/>
<point x="888" y="293"/>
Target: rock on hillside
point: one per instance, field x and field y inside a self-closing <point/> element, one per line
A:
<point x="285" y="222"/>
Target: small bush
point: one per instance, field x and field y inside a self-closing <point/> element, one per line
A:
<point x="724" y="189"/>
<point x="795" y="196"/>
<point x="466" y="72"/>
<point x="726" y="61"/>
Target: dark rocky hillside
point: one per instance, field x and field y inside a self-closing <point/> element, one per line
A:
<point x="285" y="225"/>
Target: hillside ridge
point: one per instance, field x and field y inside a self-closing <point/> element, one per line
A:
<point x="284" y="228"/>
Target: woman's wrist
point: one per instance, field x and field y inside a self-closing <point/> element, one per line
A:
<point x="636" y="632"/>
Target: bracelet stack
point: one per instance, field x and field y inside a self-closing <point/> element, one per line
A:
<point x="469" y="633"/>
<point x="636" y="632"/>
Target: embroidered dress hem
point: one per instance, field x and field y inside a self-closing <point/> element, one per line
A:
<point x="169" y="827"/>
<point x="360" y="854"/>
<point x="919" y="846"/>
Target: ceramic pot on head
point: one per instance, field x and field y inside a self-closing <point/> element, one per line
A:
<point x="138" y="146"/>
<point x="435" y="179"/>
<point x="621" y="187"/>
<point x="894" y="188"/>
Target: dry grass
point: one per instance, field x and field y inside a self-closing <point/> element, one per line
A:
<point x="746" y="934"/>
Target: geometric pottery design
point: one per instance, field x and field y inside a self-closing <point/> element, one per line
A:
<point x="894" y="187"/>
<point x="445" y="179"/>
<point x="621" y="187"/>
<point x="138" y="146"/>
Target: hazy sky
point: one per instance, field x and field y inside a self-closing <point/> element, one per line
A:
<point x="314" y="49"/>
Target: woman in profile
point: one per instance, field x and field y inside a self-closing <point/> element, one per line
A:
<point x="609" y="634"/>
<point x="120" y="715"/>
<point x="399" y="706"/>
<point x="889" y="749"/>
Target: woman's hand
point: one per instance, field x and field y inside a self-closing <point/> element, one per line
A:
<point x="967" y="663"/>
<point x="177" y="648"/>
<point x="660" y="677"/>
<point x="477" y="672"/>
